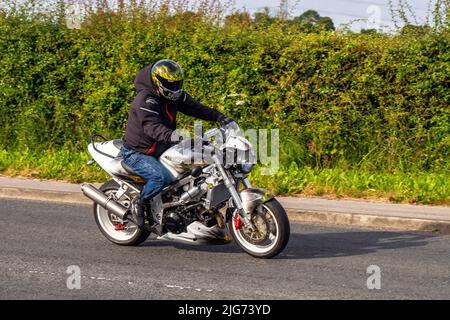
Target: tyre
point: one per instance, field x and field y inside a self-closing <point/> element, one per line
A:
<point x="112" y="226"/>
<point x="272" y="231"/>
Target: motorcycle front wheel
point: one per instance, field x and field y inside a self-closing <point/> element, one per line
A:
<point x="271" y="233"/>
<point x="112" y="226"/>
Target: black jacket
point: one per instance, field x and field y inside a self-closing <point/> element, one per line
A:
<point x="152" y="119"/>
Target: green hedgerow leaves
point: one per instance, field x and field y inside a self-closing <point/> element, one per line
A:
<point x="369" y="102"/>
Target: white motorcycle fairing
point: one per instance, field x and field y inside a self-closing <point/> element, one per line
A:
<point x="106" y="155"/>
<point x="198" y="233"/>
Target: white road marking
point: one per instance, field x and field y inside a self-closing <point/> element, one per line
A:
<point x="109" y="279"/>
<point x="174" y="286"/>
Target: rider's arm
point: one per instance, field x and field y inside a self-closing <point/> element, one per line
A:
<point x="150" y="117"/>
<point x="193" y="108"/>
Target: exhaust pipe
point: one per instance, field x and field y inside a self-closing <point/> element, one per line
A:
<point x="103" y="200"/>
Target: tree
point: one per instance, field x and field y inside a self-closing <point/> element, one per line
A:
<point x="311" y="20"/>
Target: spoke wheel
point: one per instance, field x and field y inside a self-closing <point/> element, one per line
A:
<point x="270" y="235"/>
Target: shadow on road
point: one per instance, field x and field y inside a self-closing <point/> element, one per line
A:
<point x="325" y="245"/>
<point x="342" y="244"/>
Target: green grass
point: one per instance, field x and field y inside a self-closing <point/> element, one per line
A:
<point x="53" y="165"/>
<point x="419" y="187"/>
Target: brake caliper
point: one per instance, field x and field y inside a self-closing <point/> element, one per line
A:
<point x="237" y="222"/>
<point x="119" y="227"/>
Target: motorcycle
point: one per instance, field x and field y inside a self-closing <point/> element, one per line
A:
<point x="210" y="200"/>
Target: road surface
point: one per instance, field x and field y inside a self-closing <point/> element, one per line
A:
<point x="40" y="240"/>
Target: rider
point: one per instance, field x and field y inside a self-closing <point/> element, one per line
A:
<point x="151" y="126"/>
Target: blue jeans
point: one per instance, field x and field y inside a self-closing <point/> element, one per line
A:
<point x="148" y="167"/>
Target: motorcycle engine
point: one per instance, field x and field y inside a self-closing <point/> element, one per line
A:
<point x="174" y="223"/>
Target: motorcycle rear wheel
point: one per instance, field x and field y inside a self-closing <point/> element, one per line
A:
<point x="112" y="226"/>
<point x="271" y="235"/>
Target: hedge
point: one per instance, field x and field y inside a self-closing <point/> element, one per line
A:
<point x="340" y="99"/>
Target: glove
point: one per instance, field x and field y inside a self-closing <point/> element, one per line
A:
<point x="224" y="120"/>
<point x="175" y="138"/>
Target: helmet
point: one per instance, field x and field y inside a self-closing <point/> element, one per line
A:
<point x="167" y="76"/>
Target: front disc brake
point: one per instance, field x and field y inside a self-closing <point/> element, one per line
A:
<point x="261" y="232"/>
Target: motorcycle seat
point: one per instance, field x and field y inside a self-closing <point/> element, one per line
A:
<point x="128" y="169"/>
<point x="118" y="167"/>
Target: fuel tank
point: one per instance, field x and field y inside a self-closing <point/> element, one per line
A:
<point x="181" y="158"/>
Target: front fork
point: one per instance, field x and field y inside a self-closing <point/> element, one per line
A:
<point x="229" y="183"/>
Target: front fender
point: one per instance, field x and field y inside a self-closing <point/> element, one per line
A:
<point x="254" y="197"/>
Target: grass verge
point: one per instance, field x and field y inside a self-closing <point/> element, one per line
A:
<point x="402" y="187"/>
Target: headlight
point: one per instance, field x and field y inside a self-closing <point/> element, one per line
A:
<point x="245" y="167"/>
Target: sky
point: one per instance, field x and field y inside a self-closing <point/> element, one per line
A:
<point x="375" y="13"/>
<point x="360" y="14"/>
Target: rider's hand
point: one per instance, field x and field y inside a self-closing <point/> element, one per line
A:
<point x="224" y="120"/>
<point x="175" y="138"/>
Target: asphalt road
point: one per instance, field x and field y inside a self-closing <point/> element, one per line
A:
<point x="39" y="241"/>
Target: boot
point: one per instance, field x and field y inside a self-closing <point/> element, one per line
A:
<point x="137" y="212"/>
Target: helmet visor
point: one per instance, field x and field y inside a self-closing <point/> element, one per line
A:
<point x="173" y="86"/>
<point x="172" y="95"/>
